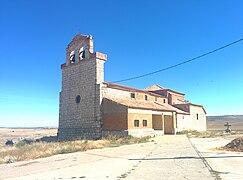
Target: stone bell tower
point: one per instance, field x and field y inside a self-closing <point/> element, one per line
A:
<point x="80" y="96"/>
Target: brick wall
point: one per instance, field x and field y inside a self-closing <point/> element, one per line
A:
<point x="114" y="116"/>
<point x="140" y="117"/>
<point x="172" y="97"/>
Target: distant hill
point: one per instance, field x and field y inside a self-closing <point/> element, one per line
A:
<point x="217" y="122"/>
<point x="44" y="127"/>
<point x="225" y="117"/>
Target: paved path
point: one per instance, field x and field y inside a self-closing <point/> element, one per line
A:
<point x="223" y="164"/>
<point x="168" y="157"/>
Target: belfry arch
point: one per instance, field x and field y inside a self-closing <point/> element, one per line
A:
<point x="80" y="48"/>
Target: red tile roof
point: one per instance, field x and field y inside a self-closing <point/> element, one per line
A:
<point x="143" y="104"/>
<point x="198" y="106"/>
<point x="130" y="89"/>
<point x="190" y="104"/>
<point x="160" y="88"/>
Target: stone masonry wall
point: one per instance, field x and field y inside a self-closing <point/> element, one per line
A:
<point x="80" y="120"/>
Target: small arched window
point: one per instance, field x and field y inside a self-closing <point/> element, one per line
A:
<point x="82" y="53"/>
<point x="78" y="98"/>
<point x="72" y="56"/>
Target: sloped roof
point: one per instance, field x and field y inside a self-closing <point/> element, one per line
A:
<point x="130" y="89"/>
<point x="190" y="104"/>
<point x="156" y="88"/>
<point x="143" y="104"/>
<point x="198" y="106"/>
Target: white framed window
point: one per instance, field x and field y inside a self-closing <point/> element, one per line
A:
<point x="145" y="123"/>
<point x="136" y="123"/>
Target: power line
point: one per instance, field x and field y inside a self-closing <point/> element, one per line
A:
<point x="179" y="64"/>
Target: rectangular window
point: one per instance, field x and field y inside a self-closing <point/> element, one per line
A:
<point x="155" y="99"/>
<point x="136" y="123"/>
<point x="145" y="97"/>
<point x="132" y="95"/>
<point x="164" y="101"/>
<point x="145" y="123"/>
<point x="197" y="116"/>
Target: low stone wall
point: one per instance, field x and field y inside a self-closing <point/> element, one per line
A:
<point x="133" y="132"/>
<point x="159" y="133"/>
<point x="106" y="133"/>
<point x="141" y="132"/>
<point x="66" y="134"/>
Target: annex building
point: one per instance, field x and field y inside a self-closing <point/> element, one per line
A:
<point x="91" y="108"/>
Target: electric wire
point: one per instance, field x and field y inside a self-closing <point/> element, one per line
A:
<point x="179" y="64"/>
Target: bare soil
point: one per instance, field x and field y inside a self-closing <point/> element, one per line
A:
<point x="234" y="145"/>
<point x="217" y="123"/>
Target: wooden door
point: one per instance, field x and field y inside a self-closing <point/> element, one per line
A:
<point x="168" y="124"/>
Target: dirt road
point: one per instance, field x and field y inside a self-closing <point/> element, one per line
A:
<point x="168" y="157"/>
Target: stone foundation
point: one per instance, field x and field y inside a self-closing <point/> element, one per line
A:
<point x="78" y="133"/>
<point x="106" y="133"/>
<point x="141" y="132"/>
<point x="134" y="133"/>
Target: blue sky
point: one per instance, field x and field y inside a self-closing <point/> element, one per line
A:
<point x="138" y="37"/>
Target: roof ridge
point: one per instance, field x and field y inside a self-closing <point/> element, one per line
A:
<point x="132" y="89"/>
<point x="177" y="109"/>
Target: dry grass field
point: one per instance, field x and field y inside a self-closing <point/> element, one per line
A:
<point x="219" y="125"/>
<point x="23" y="150"/>
<point x="18" y="134"/>
<point x="217" y="122"/>
<point x="30" y="144"/>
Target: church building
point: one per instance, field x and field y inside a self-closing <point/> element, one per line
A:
<point x="91" y="108"/>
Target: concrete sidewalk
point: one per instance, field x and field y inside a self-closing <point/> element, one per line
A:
<point x="224" y="164"/>
<point x="172" y="158"/>
<point x="169" y="157"/>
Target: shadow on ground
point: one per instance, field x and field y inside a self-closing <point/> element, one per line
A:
<point x="187" y="157"/>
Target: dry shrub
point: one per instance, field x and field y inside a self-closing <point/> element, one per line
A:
<point x="205" y="134"/>
<point x="45" y="149"/>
